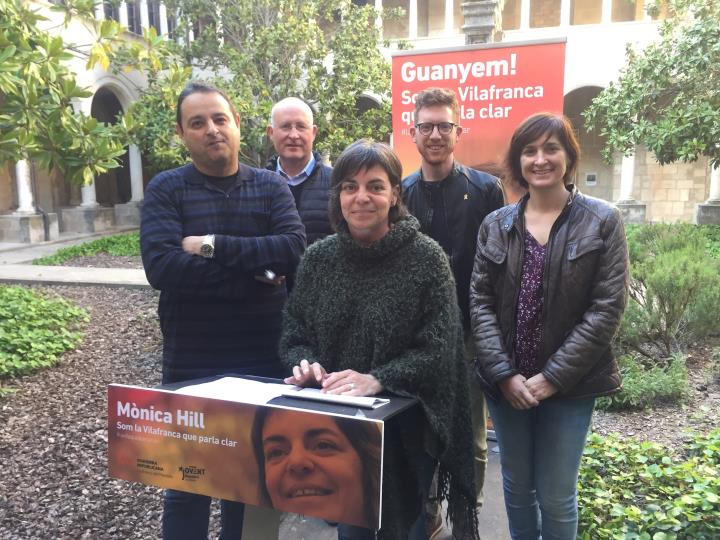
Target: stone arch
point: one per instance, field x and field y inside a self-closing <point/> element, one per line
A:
<point x="54" y="191"/>
<point x="124" y="93"/>
<point x="367" y="101"/>
<point x="594" y="176"/>
<point x="112" y="187"/>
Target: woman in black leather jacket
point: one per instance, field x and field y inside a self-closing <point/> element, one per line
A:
<point x="548" y="290"/>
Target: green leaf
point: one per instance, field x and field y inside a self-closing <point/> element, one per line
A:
<point x="7" y="53"/>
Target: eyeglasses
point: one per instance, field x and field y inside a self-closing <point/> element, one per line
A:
<point x="426" y="128"/>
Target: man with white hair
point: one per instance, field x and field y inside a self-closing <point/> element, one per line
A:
<point x="292" y="133"/>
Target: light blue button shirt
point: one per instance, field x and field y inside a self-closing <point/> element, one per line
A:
<point x="300" y="178"/>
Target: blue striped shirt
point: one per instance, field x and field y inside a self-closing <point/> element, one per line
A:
<point x="214" y="315"/>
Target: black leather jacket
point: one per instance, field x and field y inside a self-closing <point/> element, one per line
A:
<point x="585" y="285"/>
<point x="469" y="195"/>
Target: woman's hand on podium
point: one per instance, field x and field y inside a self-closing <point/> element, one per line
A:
<point x="351" y="383"/>
<point x="307" y="374"/>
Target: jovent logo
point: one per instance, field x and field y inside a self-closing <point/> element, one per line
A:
<point x="191" y="473"/>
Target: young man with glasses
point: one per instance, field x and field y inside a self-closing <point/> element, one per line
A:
<point x="450" y="201"/>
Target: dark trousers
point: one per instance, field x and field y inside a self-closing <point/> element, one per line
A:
<point x="186" y="516"/>
<point x="417" y="532"/>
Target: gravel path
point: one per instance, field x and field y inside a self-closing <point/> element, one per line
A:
<point x="53" y="440"/>
<point x="103" y="260"/>
<point x="670" y="424"/>
<point x="53" y="434"/>
<point x="53" y="431"/>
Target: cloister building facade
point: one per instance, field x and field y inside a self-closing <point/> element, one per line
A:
<point x="36" y="205"/>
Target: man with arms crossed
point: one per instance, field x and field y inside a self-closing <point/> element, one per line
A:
<point x="450" y="201"/>
<point x="216" y="238"/>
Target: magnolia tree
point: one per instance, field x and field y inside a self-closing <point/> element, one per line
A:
<point x="323" y="51"/>
<point x="668" y="95"/>
<point x="37" y="120"/>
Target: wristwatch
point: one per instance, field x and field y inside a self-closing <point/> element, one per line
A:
<point x="207" y="249"/>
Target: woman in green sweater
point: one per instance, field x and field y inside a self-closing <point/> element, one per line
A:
<point x="374" y="310"/>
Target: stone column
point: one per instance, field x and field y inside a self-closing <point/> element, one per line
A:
<point x="412" y="20"/>
<point x="449" y="17"/>
<point x="88" y="197"/>
<point x="99" y="11"/>
<point x="480" y="21"/>
<point x="606" y="12"/>
<point x="631" y="210"/>
<point x="709" y="211"/>
<point x="123" y="14"/>
<point x="136" y="174"/>
<point x="627" y="177"/>
<point x="565" y="12"/>
<point x="524" y="14"/>
<point x="144" y="14"/>
<point x="714" y="184"/>
<point x="89" y="200"/>
<point x="163" y="30"/>
<point x="26" y="205"/>
<point x="27" y="225"/>
<point x="378" y="20"/>
<point x="128" y="214"/>
<point x="89" y="217"/>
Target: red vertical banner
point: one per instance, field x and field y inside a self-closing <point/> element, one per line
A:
<point x="497" y="86"/>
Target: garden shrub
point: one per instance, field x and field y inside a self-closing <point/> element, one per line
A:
<point x="645" y="385"/>
<point x="706" y="447"/>
<point x="35" y="330"/>
<point x="127" y="244"/>
<point x="674" y="288"/>
<point x="641" y="490"/>
<point x="711" y="233"/>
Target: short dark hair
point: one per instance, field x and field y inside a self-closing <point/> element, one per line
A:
<point x="536" y="126"/>
<point x="361" y="155"/>
<point x="199" y="87"/>
<point x="364" y="436"/>
<point x="438" y="97"/>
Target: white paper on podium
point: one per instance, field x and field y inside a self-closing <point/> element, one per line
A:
<point x="236" y="389"/>
<point x="315" y="394"/>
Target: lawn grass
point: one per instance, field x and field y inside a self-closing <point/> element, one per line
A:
<point x="126" y="244"/>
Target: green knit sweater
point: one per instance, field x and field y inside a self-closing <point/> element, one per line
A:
<point x="390" y="309"/>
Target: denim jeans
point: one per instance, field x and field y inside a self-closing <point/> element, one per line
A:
<point x="417" y="532"/>
<point x="186" y="516"/>
<point x="540" y="452"/>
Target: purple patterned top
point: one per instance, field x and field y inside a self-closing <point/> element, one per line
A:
<point x="528" y="331"/>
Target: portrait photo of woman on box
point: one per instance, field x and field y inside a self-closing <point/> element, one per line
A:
<point x="319" y="465"/>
